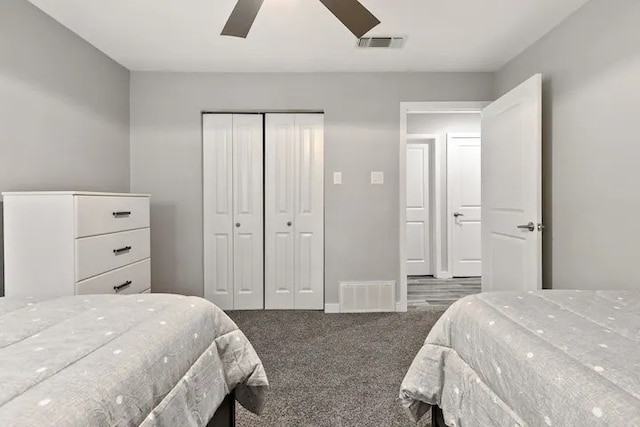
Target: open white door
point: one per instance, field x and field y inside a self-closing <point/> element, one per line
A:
<point x="464" y="179"/>
<point x="512" y="190"/>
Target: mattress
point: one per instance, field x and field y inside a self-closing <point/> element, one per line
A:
<point x="548" y="358"/>
<point x="114" y="360"/>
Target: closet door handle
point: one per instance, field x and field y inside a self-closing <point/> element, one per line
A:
<point x="122" y="287"/>
<point x="237" y="224"/>
<point x="531" y="227"/>
<point x="121" y="250"/>
<point x="121" y="214"/>
<point x="289" y="224"/>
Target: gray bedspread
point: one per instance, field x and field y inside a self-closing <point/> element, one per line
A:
<point x="548" y="358"/>
<point x="164" y="360"/>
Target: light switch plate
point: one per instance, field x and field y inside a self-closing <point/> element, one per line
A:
<point x="337" y="178"/>
<point x="377" y="178"/>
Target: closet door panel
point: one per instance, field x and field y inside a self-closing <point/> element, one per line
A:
<point x="309" y="212"/>
<point x="218" y="209"/>
<point x="248" y="212"/>
<point x="279" y="199"/>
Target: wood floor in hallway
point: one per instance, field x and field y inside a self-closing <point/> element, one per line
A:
<point x="429" y="293"/>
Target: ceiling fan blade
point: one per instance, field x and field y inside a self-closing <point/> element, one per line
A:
<point x="353" y="15"/>
<point x="242" y="18"/>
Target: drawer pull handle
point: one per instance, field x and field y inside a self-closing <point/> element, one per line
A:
<point x="122" y="287"/>
<point x="121" y="214"/>
<point x="121" y="250"/>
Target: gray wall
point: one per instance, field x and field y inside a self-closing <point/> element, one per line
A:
<point x="591" y="68"/>
<point x="362" y="134"/>
<point x="64" y="108"/>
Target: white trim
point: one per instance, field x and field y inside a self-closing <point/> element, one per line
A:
<point x="420" y="136"/>
<point x="472" y="107"/>
<point x="331" y="308"/>
<point x="449" y="137"/>
<point x="401" y="308"/>
<point x="439" y="153"/>
<point x="402" y="179"/>
<point x="419" y="108"/>
<point x="445" y="275"/>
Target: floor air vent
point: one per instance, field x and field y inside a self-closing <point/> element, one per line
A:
<point x="381" y="42"/>
<point x="367" y="297"/>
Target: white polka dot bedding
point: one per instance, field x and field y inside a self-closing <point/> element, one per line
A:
<point x="115" y="360"/>
<point x="547" y="358"/>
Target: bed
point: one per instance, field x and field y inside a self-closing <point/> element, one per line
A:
<point x="114" y="360"/>
<point x="548" y="358"/>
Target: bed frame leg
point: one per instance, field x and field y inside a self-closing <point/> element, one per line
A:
<point x="225" y="416"/>
<point x="437" y="418"/>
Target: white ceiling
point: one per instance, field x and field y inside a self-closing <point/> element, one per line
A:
<point x="302" y="35"/>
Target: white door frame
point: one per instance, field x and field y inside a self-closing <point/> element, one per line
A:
<point x="450" y="210"/>
<point x="407" y="108"/>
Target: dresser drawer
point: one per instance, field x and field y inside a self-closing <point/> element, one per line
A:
<point x="99" y="215"/>
<point x="132" y="279"/>
<point x="96" y="255"/>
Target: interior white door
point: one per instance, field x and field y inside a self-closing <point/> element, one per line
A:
<point x="248" y="239"/>
<point x="309" y="209"/>
<point x="512" y="190"/>
<point x="464" y="191"/>
<point x="280" y="211"/>
<point x="295" y="212"/>
<point x="218" y="209"/>
<point x="418" y="227"/>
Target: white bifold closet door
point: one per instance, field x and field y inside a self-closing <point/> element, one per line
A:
<point x="233" y="210"/>
<point x="294" y="222"/>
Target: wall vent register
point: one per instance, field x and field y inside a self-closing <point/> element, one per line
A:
<point x="382" y="42"/>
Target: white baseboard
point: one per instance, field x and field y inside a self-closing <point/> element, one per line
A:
<point x="401" y="307"/>
<point x="444" y="275"/>
<point x="332" y="308"/>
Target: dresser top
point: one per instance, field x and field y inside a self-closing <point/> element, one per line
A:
<point x="71" y="193"/>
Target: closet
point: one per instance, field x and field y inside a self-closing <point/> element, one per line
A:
<point x="264" y="210"/>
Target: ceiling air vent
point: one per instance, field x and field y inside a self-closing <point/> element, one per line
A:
<point x="381" y="42"/>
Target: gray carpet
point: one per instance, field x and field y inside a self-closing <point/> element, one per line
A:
<point x="334" y="369"/>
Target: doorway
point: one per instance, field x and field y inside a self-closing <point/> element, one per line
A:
<point x="440" y="182"/>
<point x="511" y="191"/>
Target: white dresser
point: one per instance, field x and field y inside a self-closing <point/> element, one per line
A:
<point x="76" y="243"/>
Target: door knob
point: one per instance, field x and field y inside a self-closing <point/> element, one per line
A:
<point x="531" y="227"/>
<point x="237" y="224"/>
<point x="289" y="224"/>
<point x="457" y="214"/>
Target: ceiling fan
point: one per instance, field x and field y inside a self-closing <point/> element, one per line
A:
<point x="351" y="13"/>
